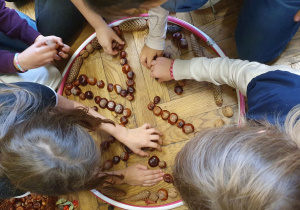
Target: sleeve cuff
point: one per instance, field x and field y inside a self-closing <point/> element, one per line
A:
<point x="181" y="69"/>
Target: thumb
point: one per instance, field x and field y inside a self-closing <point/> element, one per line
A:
<point x="142" y="153"/>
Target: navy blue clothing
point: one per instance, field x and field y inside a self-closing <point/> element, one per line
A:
<point x="47" y="98"/>
<point x="183" y="5"/>
<point x="272" y="95"/>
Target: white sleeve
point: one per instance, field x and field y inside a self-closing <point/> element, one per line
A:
<point x="233" y="72"/>
<point x="158" y="20"/>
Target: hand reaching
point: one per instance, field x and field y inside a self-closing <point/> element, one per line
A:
<point x="148" y="55"/>
<point x="160" y="69"/>
<point x="297" y="16"/>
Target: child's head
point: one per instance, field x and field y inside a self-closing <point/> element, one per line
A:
<point x="252" y="167"/>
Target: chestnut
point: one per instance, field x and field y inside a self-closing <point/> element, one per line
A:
<point x="156" y="99"/>
<point x="116" y="159"/>
<point x="76" y="91"/>
<point x="162" y="164"/>
<point x="167" y="55"/>
<point x="177" y="36"/>
<point x="183" y="44"/>
<point x="82" y="96"/>
<point x="108" y="164"/>
<point x="100" y="84"/>
<point x="173" y="118"/>
<point x="94" y="108"/>
<point x="130" y="82"/>
<point x="123" y="61"/>
<point x="227" y="111"/>
<point x="124" y="156"/>
<point x="89" y="95"/>
<point x="111" y="105"/>
<point x="124" y="120"/>
<point x="153" y="161"/>
<point x="120" y="47"/>
<point x="130" y="75"/>
<point x="127" y="149"/>
<point x="188" y="128"/>
<point x="105" y="145"/>
<point x="178" y="90"/>
<point x="180" y="123"/>
<point x="157" y="110"/>
<point x="69" y="86"/>
<point x="84" y="54"/>
<point x="117" y="30"/>
<point x="76" y="82"/>
<point x="115" y="45"/>
<point x="67" y="92"/>
<point x="97" y="99"/>
<point x="162" y="194"/>
<point x="130" y="97"/>
<point x="83" y="80"/>
<point x="103" y="103"/>
<point x="111" y="139"/>
<point x="123" y="54"/>
<point x="119" y="108"/>
<point x="165" y="114"/>
<point x="110" y="87"/>
<point x="89" y="48"/>
<point x="168" y="178"/>
<point x="172" y="193"/>
<point x="126" y="68"/>
<point x="117" y="88"/>
<point x="151" y="106"/>
<point x="127" y="112"/>
<point x="173" y="29"/>
<point x="123" y="93"/>
<point x="130" y="89"/>
<point x="91" y="80"/>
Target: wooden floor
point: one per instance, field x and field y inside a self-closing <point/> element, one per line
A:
<point x="196" y="105"/>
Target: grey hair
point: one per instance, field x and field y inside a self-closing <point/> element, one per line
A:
<point x="256" y="166"/>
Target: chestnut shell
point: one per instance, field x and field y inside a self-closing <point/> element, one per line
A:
<point x="168" y="178"/>
<point x="156" y="99"/>
<point x="116" y="159"/>
<point x="103" y="103"/>
<point x="97" y="99"/>
<point x="173" y="118"/>
<point x="153" y="161"/>
<point x="111" y="105"/>
<point x="180" y="123"/>
<point x="157" y="110"/>
<point x="151" y="106"/>
<point x="82" y="96"/>
<point x="100" y="84"/>
<point x="178" y="90"/>
<point x="127" y="112"/>
<point x="126" y="68"/>
<point x="89" y="95"/>
<point x="110" y="87"/>
<point x="83" y="79"/>
<point x="91" y="80"/>
<point x="162" y="164"/>
<point x="165" y="114"/>
<point x="124" y="156"/>
<point x="188" y="128"/>
<point x="119" y="108"/>
<point x="124" y="120"/>
<point x="130" y="82"/>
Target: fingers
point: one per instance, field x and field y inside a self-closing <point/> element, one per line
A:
<point x="146" y="126"/>
<point x="143" y="60"/>
<point x="140" y="166"/>
<point x="56" y="57"/>
<point x="297" y="17"/>
<point x="154" y="145"/>
<point x="142" y="153"/>
<point x="154" y="131"/>
<point x="62" y="54"/>
<point x="119" y="40"/>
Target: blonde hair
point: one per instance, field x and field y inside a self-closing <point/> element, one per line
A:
<point x="256" y="166"/>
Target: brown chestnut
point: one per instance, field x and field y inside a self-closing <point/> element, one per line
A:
<point x="188" y="128"/>
<point x="91" y="80"/>
<point x="97" y="99"/>
<point x="100" y="84"/>
<point x="157" y="110"/>
<point x="94" y="108"/>
<point x="180" y="123"/>
<point x="84" y="54"/>
<point x="130" y="82"/>
<point x="67" y="92"/>
<point x="83" y="80"/>
<point x="162" y="194"/>
<point x="105" y="145"/>
<point x="103" y="103"/>
<point x="165" y="114"/>
<point x="173" y="118"/>
<point x="120" y="47"/>
<point x="130" y="75"/>
<point x="127" y="112"/>
<point x="111" y="105"/>
<point x="76" y="91"/>
<point x="162" y="164"/>
<point x="117" y="88"/>
<point x="119" y="108"/>
<point x="108" y="164"/>
<point x="151" y="106"/>
<point x="82" y="96"/>
<point x="126" y="68"/>
<point x="69" y="86"/>
<point x="177" y="36"/>
<point x="153" y="161"/>
<point x="116" y="159"/>
<point x="89" y="95"/>
<point x="111" y="139"/>
<point x="130" y="89"/>
<point x="123" y="54"/>
<point x="183" y="44"/>
<point x="178" y="90"/>
<point x="130" y="97"/>
<point x="123" y="93"/>
<point x="127" y="149"/>
<point x="181" y="83"/>
<point x="117" y="30"/>
<point x="168" y="178"/>
<point x="156" y="99"/>
<point x="110" y="87"/>
<point x="76" y="82"/>
<point x="124" y="156"/>
<point x="123" y="61"/>
<point x="124" y="120"/>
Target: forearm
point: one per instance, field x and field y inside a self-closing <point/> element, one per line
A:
<point x="158" y="18"/>
<point x="233" y="72"/>
<point x="7" y="62"/>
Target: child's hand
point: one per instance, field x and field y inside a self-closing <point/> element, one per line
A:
<point x="140" y="175"/>
<point x="148" y="55"/>
<point x="160" y="69"/>
<point x="140" y="137"/>
<point x="106" y="36"/>
<point x="297" y="16"/>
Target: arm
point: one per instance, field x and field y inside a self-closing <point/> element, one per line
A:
<point x="135" y="139"/>
<point x="104" y="33"/>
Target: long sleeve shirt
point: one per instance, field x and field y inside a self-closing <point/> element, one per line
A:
<point x="13" y="26"/>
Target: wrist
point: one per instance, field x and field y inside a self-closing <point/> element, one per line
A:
<point x="17" y="63"/>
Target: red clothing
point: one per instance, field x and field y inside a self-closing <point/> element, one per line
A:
<point x="12" y="25"/>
